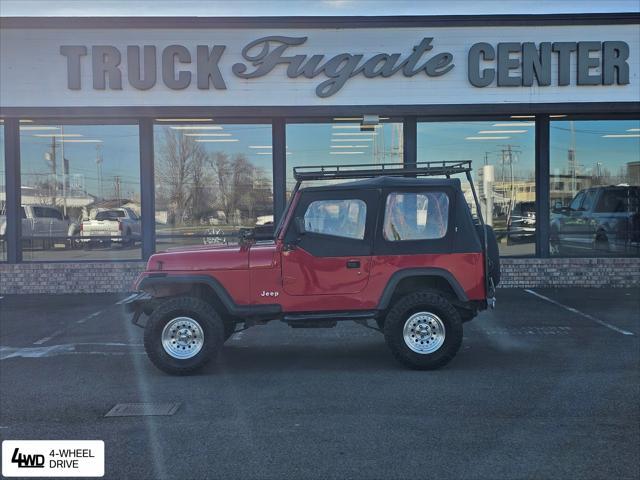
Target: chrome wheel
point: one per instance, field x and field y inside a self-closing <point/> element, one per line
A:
<point x="424" y="332"/>
<point x="182" y="338"/>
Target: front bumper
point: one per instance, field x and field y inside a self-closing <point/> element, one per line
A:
<point x="138" y="304"/>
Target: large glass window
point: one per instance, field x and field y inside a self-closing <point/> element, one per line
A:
<point x="3" y="199"/>
<point x="344" y="141"/>
<point x="595" y="187"/>
<point x="211" y="180"/>
<point x="70" y="175"/>
<point x="503" y="156"/>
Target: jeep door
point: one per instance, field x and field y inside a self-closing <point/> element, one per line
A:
<point x="332" y="255"/>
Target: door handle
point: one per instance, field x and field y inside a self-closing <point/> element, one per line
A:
<point x="353" y="264"/>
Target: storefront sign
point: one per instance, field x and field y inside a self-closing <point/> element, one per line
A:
<point x="253" y="67"/>
<point x="510" y="64"/>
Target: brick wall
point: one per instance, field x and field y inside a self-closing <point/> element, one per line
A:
<point x="516" y="273"/>
<point x="68" y="277"/>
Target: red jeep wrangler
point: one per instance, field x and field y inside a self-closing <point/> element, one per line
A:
<point x="393" y="248"/>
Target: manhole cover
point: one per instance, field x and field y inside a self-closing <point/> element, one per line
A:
<point x="142" y="409"/>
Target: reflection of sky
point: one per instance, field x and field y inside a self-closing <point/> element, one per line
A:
<point x="341" y="143"/>
<point x="449" y="141"/>
<point x="592" y="147"/>
<point x="119" y="150"/>
<point x="244" y="137"/>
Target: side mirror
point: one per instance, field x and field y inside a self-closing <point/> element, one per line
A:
<point x="557" y="205"/>
<point x="298" y="222"/>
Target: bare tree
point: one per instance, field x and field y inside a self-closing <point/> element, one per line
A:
<point x="179" y="154"/>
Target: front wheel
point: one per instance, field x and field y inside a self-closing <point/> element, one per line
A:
<point x="423" y="330"/>
<point x="182" y="335"/>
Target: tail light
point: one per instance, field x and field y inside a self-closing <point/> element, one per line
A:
<point x="119" y="226"/>
<point x="81" y="226"/>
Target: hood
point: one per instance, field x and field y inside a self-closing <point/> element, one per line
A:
<point x="201" y="257"/>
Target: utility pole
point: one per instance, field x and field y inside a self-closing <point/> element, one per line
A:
<point x="116" y="187"/>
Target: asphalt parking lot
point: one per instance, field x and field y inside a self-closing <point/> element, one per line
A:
<point x="545" y="386"/>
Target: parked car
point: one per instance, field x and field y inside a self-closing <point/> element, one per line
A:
<point x="602" y="219"/>
<point x="521" y="224"/>
<point x="120" y="225"/>
<point x="419" y="267"/>
<point x="43" y="222"/>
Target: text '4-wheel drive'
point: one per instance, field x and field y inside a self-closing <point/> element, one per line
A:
<point x="389" y="247"/>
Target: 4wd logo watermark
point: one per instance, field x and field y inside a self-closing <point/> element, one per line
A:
<point x="53" y="458"/>
<point x="26" y="460"/>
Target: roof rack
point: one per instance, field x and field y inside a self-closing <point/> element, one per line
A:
<point x="368" y="170"/>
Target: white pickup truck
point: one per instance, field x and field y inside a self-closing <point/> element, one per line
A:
<point x="43" y="222"/>
<point x="120" y="225"/>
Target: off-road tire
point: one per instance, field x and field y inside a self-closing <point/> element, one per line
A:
<point x="428" y="301"/>
<point x="204" y="314"/>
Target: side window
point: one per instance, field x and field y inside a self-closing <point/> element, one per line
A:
<point x="39" y="212"/>
<point x="23" y="213"/>
<point x="339" y="218"/>
<point x="416" y="216"/>
<point x="589" y="199"/>
<point x="575" y="204"/>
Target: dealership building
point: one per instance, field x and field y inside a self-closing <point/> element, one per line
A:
<point x="125" y="136"/>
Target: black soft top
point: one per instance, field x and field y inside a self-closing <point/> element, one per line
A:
<point x="388" y="182"/>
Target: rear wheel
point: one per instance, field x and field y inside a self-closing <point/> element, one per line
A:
<point x="182" y="335"/>
<point x="423" y="330"/>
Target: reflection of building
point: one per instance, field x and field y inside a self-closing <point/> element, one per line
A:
<point x="561" y="187"/>
<point x="633" y="173"/>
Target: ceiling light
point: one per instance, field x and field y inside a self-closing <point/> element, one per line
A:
<point x="352" y="139"/>
<point x="515" y="124"/>
<point x="260" y="146"/>
<point x="36" y="127"/>
<point x="353" y="133"/>
<point x="24" y="120"/>
<point x="346" y="153"/>
<point x="349" y="146"/>
<point x="357" y="127"/>
<point x="633" y="129"/>
<point x="57" y="135"/>
<point x="503" y="131"/>
<point x="557" y="116"/>
<point x="523" y="116"/>
<point x="195" y="127"/>
<point x="184" y="119"/>
<point x="622" y="135"/>
<point x="82" y="140"/>
<point x="486" y="138"/>
<point x="347" y="119"/>
<point x="207" y="134"/>
<point x="212" y="140"/>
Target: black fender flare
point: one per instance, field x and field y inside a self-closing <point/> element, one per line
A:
<point x="400" y="275"/>
<point x="232" y="307"/>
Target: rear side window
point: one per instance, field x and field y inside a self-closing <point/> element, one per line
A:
<point x="416" y="216"/>
<point x="339" y="218"/>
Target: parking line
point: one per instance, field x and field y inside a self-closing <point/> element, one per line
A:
<point x="582" y="314"/>
<point x="46" y="339"/>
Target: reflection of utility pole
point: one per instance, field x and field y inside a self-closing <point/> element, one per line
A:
<point x="116" y="188"/>
<point x="571" y="158"/>
<point x="509" y="156"/>
<point x="99" y="168"/>
<point x="65" y="173"/>
<point x="50" y="157"/>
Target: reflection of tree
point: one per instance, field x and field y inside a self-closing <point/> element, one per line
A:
<point x="194" y="185"/>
